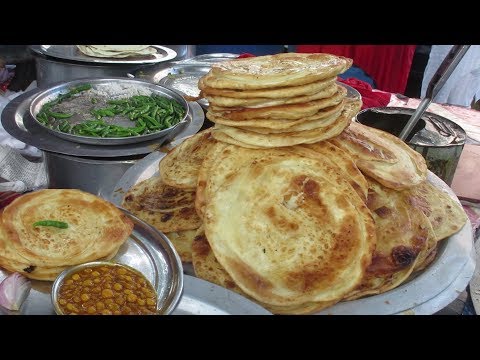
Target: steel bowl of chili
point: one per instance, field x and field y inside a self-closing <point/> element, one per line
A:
<point x="110" y="111"/>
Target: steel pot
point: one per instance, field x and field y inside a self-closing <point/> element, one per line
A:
<point x="51" y="69"/>
<point x="94" y="175"/>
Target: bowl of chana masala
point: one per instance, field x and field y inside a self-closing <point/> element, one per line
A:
<point x="103" y="288"/>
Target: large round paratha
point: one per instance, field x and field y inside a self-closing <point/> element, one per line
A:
<point x="272" y="71"/>
<point x="289" y="234"/>
<point x="383" y="156"/>
<point x="96" y="228"/>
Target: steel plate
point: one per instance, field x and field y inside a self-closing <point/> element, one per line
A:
<point x="183" y="78"/>
<point x="71" y="52"/>
<point x="17" y="121"/>
<point x="427" y="293"/>
<point x="201" y="297"/>
<point x="127" y="85"/>
<point x="146" y="250"/>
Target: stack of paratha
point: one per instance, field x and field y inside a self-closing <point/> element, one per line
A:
<point x="96" y="230"/>
<point x="278" y="100"/>
<point x="117" y="51"/>
<point x="299" y="228"/>
<point x="168" y="202"/>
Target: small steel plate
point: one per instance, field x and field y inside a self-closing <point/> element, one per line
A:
<point x="146" y="250"/>
<point x="125" y="86"/>
<point x="71" y="52"/>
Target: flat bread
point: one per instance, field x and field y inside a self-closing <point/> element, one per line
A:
<point x="116" y="51"/>
<point x="382" y="156"/>
<point x="273" y="71"/>
<point x="96" y="228"/>
<point x="445" y="214"/>
<point x="280" y="124"/>
<point x="343" y="161"/>
<point x="281" y="112"/>
<point x="182" y="241"/>
<point x="167" y="208"/>
<point x="258" y="140"/>
<point x="179" y="168"/>
<point x="289" y="234"/>
<point x="403" y="231"/>
<point x="207" y="267"/>
<point x="224" y="101"/>
<point x="280" y="92"/>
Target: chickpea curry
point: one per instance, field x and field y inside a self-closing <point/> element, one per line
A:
<point x="107" y="290"/>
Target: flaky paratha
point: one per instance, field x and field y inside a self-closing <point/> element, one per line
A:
<point x="207" y="267"/>
<point x="383" y="156"/>
<point x="275" y="93"/>
<point x="182" y="241"/>
<point x="272" y="71"/>
<point x="445" y="214"/>
<point x="255" y="139"/>
<point x="179" y="168"/>
<point x="287" y="234"/>
<point x="279" y="124"/>
<point x="96" y="228"/>
<point x="224" y="101"/>
<point x="281" y="112"/>
<point x="167" y="208"/>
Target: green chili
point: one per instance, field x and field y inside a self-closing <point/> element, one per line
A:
<point x="54" y="223"/>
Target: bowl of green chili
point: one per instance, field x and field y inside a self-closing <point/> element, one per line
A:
<point x="110" y="111"/>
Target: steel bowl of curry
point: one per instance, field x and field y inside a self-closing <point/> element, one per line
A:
<point x="104" y="288"/>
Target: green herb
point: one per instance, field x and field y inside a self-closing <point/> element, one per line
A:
<point x="54" y="223"/>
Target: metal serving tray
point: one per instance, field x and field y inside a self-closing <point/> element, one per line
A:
<point x="436" y="287"/>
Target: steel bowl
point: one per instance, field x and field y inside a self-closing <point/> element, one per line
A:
<point x="57" y="284"/>
<point x="56" y="89"/>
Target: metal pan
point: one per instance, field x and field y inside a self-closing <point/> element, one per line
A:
<point x="125" y="87"/>
<point x="71" y="52"/>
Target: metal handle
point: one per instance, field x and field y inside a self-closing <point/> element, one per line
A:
<point x="440" y="77"/>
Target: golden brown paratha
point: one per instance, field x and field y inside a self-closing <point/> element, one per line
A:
<point x="383" y="156"/>
<point x="275" y="93"/>
<point x="182" y="241"/>
<point x="445" y="214"/>
<point x="167" y="208"/>
<point x="255" y="139"/>
<point x="321" y="115"/>
<point x="287" y="234"/>
<point x="223" y="101"/>
<point x="272" y="71"/>
<point x="96" y="228"/>
<point x="207" y="267"/>
<point x="179" y="168"/>
<point x="281" y="112"/>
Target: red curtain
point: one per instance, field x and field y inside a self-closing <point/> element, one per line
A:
<point x="388" y="65"/>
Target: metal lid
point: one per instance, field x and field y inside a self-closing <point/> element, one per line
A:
<point x="71" y="52"/>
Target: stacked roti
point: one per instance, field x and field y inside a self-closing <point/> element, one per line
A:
<point x="168" y="202"/>
<point x="295" y="206"/>
<point x="117" y="51"/>
<point x="278" y="100"/>
<point x="95" y="229"/>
